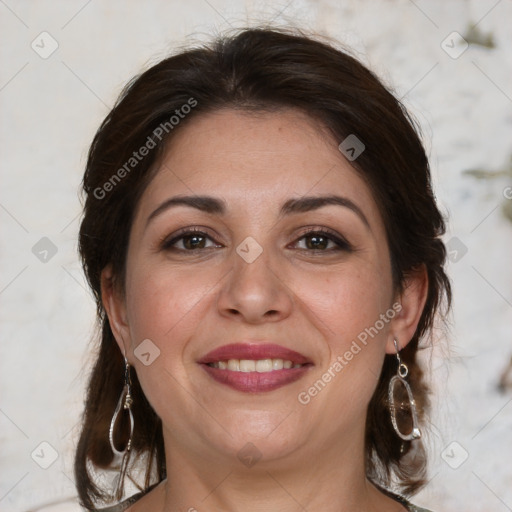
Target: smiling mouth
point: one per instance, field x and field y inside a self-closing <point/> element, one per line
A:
<point x="255" y="367"/>
<point x="251" y="365"/>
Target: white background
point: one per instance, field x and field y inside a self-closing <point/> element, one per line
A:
<point x="50" y="110"/>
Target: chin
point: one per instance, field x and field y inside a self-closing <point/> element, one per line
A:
<point x="263" y="435"/>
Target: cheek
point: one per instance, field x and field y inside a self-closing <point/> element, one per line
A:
<point x="163" y="302"/>
<point x="346" y="300"/>
<point x="166" y="307"/>
<point x="349" y="306"/>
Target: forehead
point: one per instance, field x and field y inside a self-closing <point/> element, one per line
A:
<point x="252" y="159"/>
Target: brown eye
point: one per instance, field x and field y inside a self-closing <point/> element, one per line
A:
<point x="322" y="241"/>
<point x="194" y="242"/>
<point x="317" y="241"/>
<point x="189" y="241"/>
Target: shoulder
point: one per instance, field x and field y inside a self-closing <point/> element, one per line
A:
<point x="123" y="505"/>
<point x="413" y="508"/>
<point x="403" y="500"/>
<point x="147" y="499"/>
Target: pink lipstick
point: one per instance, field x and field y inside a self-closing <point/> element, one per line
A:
<point x="255" y="367"/>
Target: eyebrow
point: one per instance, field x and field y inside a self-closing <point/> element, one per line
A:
<point x="216" y="206"/>
<point x="307" y="204"/>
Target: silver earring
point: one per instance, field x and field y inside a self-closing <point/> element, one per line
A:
<point x="121" y="458"/>
<point x="399" y="379"/>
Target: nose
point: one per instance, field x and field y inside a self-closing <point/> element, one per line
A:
<point x="254" y="292"/>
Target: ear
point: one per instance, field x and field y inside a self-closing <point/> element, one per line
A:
<point x="412" y="300"/>
<point x="115" y="306"/>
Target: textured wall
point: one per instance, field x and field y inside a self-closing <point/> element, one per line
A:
<point x="64" y="62"/>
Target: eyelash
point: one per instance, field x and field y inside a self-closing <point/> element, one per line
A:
<point x="341" y="243"/>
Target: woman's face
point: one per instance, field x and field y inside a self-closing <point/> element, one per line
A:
<point x="270" y="269"/>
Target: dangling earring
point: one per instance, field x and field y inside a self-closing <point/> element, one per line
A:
<point x="125" y="402"/>
<point x="399" y="378"/>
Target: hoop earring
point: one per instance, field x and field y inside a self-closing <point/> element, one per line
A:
<point x="399" y="378"/>
<point x="121" y="458"/>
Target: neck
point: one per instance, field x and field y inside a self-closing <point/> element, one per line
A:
<point x="331" y="479"/>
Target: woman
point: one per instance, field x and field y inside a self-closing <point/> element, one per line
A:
<point x="263" y="243"/>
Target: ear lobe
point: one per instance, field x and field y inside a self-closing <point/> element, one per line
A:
<point x="412" y="300"/>
<point x="114" y="305"/>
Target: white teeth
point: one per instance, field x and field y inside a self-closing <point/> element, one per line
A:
<point x="234" y="365"/>
<point x="247" y="365"/>
<point x="250" y="365"/>
<point x="264" y="365"/>
<point x="277" y="364"/>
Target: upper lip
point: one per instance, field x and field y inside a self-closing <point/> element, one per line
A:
<point x="253" y="351"/>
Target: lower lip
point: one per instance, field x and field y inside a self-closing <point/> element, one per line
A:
<point x="255" y="382"/>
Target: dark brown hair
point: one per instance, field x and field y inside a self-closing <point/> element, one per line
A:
<point x="255" y="70"/>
